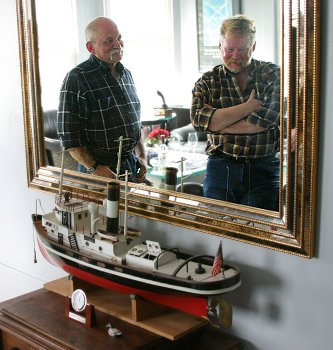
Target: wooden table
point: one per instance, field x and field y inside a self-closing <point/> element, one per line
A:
<point x="37" y="321"/>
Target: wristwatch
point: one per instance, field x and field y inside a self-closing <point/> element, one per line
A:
<point x="92" y="168"/>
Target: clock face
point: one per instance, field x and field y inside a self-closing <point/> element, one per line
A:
<point x="79" y="300"/>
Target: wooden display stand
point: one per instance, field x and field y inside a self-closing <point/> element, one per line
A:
<point x="36" y="321"/>
<point x="87" y="317"/>
<point x="166" y="322"/>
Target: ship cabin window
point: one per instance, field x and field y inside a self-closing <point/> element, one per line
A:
<point x="149" y="257"/>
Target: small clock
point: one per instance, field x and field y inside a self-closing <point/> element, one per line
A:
<point x="79" y="300"/>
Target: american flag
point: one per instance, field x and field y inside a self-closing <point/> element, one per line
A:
<point x="218" y="261"/>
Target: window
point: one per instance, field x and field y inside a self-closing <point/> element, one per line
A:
<point x="147" y="32"/>
<point x="160" y="37"/>
<point x="160" y="45"/>
<point x="210" y="14"/>
<point x="57" y="42"/>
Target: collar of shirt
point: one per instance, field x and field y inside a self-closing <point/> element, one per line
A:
<point x="252" y="69"/>
<point x="104" y="66"/>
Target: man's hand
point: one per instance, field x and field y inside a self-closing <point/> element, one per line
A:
<point x="252" y="103"/>
<point x="223" y="118"/>
<point x="141" y="175"/>
<point x="141" y="154"/>
<point x="293" y="135"/>
<point x="105" y="171"/>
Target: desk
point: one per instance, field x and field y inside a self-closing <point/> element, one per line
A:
<point x="37" y="321"/>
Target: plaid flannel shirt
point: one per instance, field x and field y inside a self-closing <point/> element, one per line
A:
<point x="95" y="109"/>
<point x="218" y="88"/>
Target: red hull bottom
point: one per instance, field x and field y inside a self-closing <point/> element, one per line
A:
<point x="193" y="305"/>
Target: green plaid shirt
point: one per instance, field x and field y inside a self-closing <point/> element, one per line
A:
<point x="95" y="109"/>
<point x="219" y="88"/>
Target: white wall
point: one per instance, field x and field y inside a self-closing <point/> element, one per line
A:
<point x="17" y="269"/>
<point x="284" y="302"/>
<point x="265" y="13"/>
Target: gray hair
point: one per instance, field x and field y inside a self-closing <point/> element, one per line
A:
<point x="239" y="24"/>
<point x="93" y="27"/>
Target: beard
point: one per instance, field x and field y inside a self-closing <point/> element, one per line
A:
<point x="236" y="66"/>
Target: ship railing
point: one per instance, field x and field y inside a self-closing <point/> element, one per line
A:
<point x="81" y="202"/>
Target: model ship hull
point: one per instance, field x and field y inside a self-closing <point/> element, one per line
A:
<point x="188" y="295"/>
<point x="86" y="241"/>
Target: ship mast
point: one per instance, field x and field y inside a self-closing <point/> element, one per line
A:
<point x="61" y="168"/>
<point x="121" y="140"/>
<point x="126" y="204"/>
<point x="120" y="150"/>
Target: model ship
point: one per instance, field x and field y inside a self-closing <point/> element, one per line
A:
<point x="86" y="241"/>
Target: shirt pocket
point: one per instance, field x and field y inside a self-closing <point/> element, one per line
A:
<point x="104" y="114"/>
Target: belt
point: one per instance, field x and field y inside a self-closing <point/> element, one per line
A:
<point x="244" y="159"/>
<point x="105" y="157"/>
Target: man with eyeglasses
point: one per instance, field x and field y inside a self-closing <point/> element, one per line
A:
<point x="98" y="104"/>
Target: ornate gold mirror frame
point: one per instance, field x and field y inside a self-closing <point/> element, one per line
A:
<point x="292" y="228"/>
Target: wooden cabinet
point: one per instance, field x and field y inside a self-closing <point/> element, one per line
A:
<point x="11" y="342"/>
<point x="37" y="321"/>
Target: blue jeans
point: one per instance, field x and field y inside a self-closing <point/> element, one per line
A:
<point x="255" y="184"/>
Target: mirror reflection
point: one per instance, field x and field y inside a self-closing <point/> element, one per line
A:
<point x="238" y="105"/>
<point x="160" y="59"/>
<point x="172" y="68"/>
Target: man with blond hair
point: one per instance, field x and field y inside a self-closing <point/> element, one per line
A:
<point x="237" y="104"/>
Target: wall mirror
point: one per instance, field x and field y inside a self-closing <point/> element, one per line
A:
<point x="291" y="229"/>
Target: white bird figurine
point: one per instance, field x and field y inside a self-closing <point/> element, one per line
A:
<point x="113" y="332"/>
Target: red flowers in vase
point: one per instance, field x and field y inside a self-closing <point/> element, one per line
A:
<point x="156" y="135"/>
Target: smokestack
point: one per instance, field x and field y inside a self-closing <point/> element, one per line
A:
<point x="112" y="207"/>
